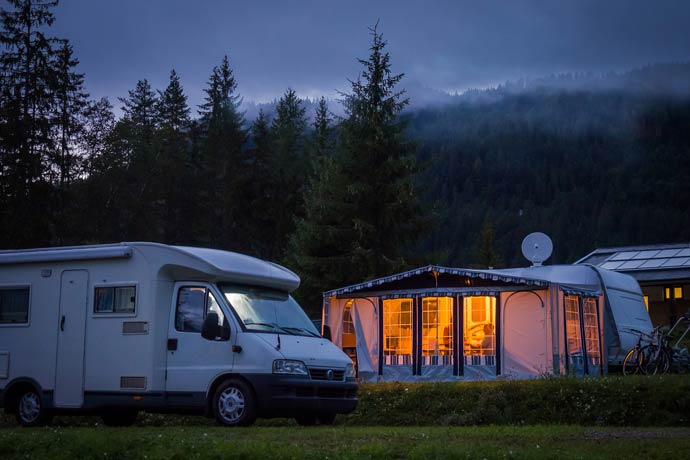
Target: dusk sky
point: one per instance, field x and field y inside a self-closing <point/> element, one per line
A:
<point x="312" y="46"/>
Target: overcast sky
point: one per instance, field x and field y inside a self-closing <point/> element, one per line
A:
<point x="312" y="46"/>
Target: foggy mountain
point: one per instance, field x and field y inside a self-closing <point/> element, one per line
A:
<point x="671" y="79"/>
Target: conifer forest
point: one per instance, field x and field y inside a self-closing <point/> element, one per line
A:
<point x="341" y="190"/>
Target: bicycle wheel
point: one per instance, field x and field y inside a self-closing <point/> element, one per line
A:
<point x="664" y="365"/>
<point x="632" y="364"/>
<point x="655" y="361"/>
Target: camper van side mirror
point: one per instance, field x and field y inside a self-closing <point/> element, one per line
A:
<point x="210" y="330"/>
<point x="327" y="333"/>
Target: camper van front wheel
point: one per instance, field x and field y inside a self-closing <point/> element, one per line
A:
<point x="30" y="410"/>
<point x="234" y="404"/>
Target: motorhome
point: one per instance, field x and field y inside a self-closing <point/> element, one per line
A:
<point x="121" y="328"/>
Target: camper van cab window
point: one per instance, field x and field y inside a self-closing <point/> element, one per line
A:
<point x="194" y="303"/>
<point x="14" y="305"/>
<point x="115" y="299"/>
<point x="268" y="311"/>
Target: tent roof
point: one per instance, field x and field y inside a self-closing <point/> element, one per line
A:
<point x="572" y="277"/>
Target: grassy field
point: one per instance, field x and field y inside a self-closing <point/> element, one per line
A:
<point x="343" y="442"/>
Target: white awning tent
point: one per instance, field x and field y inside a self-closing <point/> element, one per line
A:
<point x="532" y="334"/>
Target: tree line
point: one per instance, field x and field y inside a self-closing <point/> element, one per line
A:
<point x="338" y="199"/>
<point x="278" y="187"/>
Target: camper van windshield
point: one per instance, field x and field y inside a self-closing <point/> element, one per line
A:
<point x="268" y="311"/>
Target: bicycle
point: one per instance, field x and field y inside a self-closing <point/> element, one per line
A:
<point x="650" y="355"/>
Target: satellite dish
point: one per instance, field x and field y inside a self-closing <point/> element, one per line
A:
<point x="537" y="247"/>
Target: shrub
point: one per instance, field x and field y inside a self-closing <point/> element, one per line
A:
<point x="634" y="401"/>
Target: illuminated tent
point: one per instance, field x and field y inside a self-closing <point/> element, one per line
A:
<point x="440" y="323"/>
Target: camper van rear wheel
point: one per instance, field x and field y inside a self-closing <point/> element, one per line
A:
<point x="234" y="404"/>
<point x="30" y="411"/>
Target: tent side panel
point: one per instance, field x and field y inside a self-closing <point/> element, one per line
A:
<point x="366" y="322"/>
<point x="525" y="339"/>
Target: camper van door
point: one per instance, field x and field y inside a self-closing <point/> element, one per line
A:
<point x="69" y="374"/>
<point x="193" y="362"/>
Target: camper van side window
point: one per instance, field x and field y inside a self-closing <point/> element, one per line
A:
<point x="115" y="299"/>
<point x="14" y="305"/>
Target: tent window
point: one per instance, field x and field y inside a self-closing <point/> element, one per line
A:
<point x="437" y="330"/>
<point x="397" y="331"/>
<point x="572" y="323"/>
<point x="348" y="324"/>
<point x="479" y="330"/>
<point x="591" y="330"/>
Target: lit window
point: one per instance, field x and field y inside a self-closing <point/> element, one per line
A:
<point x="349" y="339"/>
<point x="674" y="293"/>
<point x="397" y="331"/>
<point x="589" y="306"/>
<point x="572" y="323"/>
<point x="348" y="324"/>
<point x="678" y="292"/>
<point x="437" y="330"/>
<point x="646" y="302"/>
<point x="14" y="305"/>
<point x="479" y="332"/>
<point x="115" y="299"/>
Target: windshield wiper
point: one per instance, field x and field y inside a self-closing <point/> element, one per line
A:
<point x="271" y="325"/>
<point x="301" y="329"/>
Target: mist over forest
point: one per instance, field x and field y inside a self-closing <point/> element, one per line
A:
<point x="342" y="190"/>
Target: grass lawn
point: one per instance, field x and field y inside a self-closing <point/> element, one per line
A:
<point x="343" y="442"/>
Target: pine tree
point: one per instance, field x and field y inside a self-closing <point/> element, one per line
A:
<point x="26" y="122"/>
<point x="174" y="176"/>
<point x="70" y="105"/>
<point x="220" y="194"/>
<point x="259" y="184"/>
<point x="137" y="131"/>
<point x="289" y="164"/>
<point x="322" y="141"/>
<point x="486" y="255"/>
<point x="361" y="212"/>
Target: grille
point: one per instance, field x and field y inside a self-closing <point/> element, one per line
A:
<point x="135" y="327"/>
<point x="133" y="383"/>
<point x="318" y="373"/>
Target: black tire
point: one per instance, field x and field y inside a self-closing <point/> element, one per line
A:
<point x="234" y="404"/>
<point x="326" y="419"/>
<point x="120" y="418"/>
<point x="29" y="410"/>
<point x="306" y="420"/>
<point x="659" y="364"/>
<point x="632" y="364"/>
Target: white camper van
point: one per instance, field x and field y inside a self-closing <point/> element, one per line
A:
<point x="121" y="328"/>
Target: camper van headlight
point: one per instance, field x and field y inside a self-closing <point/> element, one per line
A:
<point x="289" y="366"/>
<point x="349" y="371"/>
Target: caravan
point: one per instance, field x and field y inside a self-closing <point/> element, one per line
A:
<point x="121" y="328"/>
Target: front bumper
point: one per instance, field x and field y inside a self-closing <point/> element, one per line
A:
<point x="290" y="395"/>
